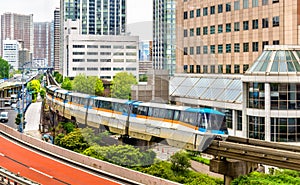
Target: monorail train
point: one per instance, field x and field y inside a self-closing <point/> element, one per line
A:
<point x="184" y="127"/>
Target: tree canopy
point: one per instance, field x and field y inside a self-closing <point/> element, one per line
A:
<point x="67" y="84"/>
<point x="4" y="68"/>
<point x="121" y="85"/>
<point x="88" y="84"/>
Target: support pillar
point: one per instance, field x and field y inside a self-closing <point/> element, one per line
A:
<point x="231" y="169"/>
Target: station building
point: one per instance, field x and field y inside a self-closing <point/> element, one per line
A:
<point x="263" y="103"/>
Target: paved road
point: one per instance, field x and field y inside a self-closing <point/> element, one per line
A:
<point x="42" y="169"/>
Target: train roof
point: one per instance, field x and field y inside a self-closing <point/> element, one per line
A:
<point x="163" y="106"/>
<point x="205" y="110"/>
<point x="52" y="87"/>
<point x="81" y="95"/>
<point x="110" y="99"/>
<point x="62" y="91"/>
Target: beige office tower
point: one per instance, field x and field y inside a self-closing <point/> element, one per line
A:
<point x="17" y="27"/>
<point x="223" y="36"/>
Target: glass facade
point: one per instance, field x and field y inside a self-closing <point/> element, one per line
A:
<point x="285" y="96"/>
<point x="101" y="17"/>
<point x="256" y="95"/>
<point x="256" y="127"/>
<point x="285" y="129"/>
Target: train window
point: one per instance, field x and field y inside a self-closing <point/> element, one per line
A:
<point x="92" y="103"/>
<point x="156" y="112"/>
<point x="134" y="110"/>
<point x="106" y="105"/>
<point x="84" y="101"/>
<point x="150" y="110"/>
<point x="176" y="115"/>
<point x="68" y="98"/>
<point x="142" y="111"/>
<point x="189" y="117"/>
<point x="119" y="107"/>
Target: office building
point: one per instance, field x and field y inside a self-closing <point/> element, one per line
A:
<point x="98" y="55"/>
<point x="17" y="27"/>
<point x="58" y="42"/>
<point x="97" y="17"/>
<point x="227" y="36"/>
<point x="42" y="42"/>
<point x="11" y="52"/>
<point x="164" y="35"/>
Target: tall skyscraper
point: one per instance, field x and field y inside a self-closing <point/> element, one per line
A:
<point x="58" y="42"/>
<point x="227" y="37"/>
<point x="164" y="35"/>
<point x="97" y="17"/>
<point x="17" y="27"/>
<point x="42" y="42"/>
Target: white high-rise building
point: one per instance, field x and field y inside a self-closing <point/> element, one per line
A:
<point x="11" y="52"/>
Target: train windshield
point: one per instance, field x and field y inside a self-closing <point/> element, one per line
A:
<point x="216" y="122"/>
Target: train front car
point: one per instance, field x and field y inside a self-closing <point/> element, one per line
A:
<point x="198" y="127"/>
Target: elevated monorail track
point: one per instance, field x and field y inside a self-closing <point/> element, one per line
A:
<point x="256" y="151"/>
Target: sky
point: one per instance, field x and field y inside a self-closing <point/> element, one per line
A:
<point x="42" y="10"/>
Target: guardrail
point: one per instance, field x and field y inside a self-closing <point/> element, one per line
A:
<point x="7" y="177"/>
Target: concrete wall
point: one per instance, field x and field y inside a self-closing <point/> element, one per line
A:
<point x="97" y="164"/>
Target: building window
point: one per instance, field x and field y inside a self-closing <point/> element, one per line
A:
<point x="191" y="68"/>
<point x="185" y="33"/>
<point x="205" y="49"/>
<point x="78" y="69"/>
<point x="92" y="69"/>
<point x="205" y="30"/>
<point x="228" y="27"/>
<point x="275" y="21"/>
<point x="246" y="47"/>
<point x="228" y="69"/>
<point x="236" y="5"/>
<point x="239" y="120"/>
<point x="256" y="95"/>
<point x="212" y="29"/>
<point x="191" y="32"/>
<point x="212" y="10"/>
<point x="285" y="96"/>
<point x="220" y="48"/>
<point x="191" y="14"/>
<point x="198" y="69"/>
<point x="264" y="43"/>
<point x="78" y="60"/>
<point x="220" y="8"/>
<point x="256" y="127"/>
<point x="236" y="26"/>
<point x="265" y="2"/>
<point x="254" y="46"/>
<point x="285" y="129"/>
<point x="236" y="47"/>
<point x="198" y="13"/>
<point x="254" y="3"/>
<point x="245" y="25"/>
<point x="212" y="69"/>
<point x="220" y="28"/>
<point x="228" y="48"/>
<point x="106" y="60"/>
<point x="191" y="50"/>
<point x="205" y="69"/>
<point x="185" y="51"/>
<point x="275" y="1"/>
<point x="198" y="32"/>
<point x="245" y="4"/>
<point x="185" y="15"/>
<point x="212" y="49"/>
<point x="255" y="24"/>
<point x="237" y="69"/>
<point x="265" y="23"/>
<point x="205" y="11"/>
<point x="245" y="67"/>
<point x="185" y="67"/>
<point x="275" y="42"/>
<point x="220" y="68"/>
<point x="228" y="7"/>
<point x="198" y="50"/>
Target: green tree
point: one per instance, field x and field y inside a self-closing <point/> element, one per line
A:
<point x="67" y="84"/>
<point x="121" y="85"/>
<point x="74" y="141"/>
<point x="4" y="68"/>
<point x="58" y="77"/>
<point x="180" y="161"/>
<point x="34" y="87"/>
<point x="88" y="84"/>
<point x="42" y="93"/>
